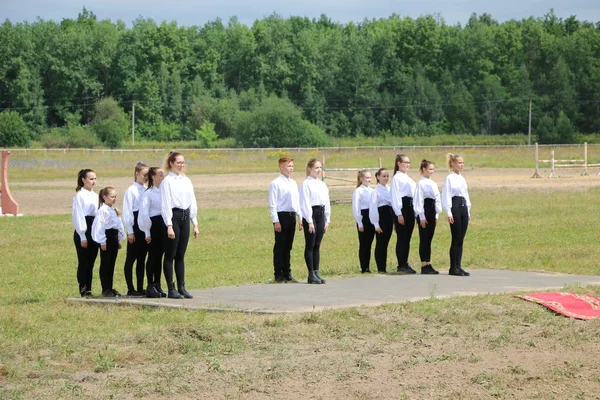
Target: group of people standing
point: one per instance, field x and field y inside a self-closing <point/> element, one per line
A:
<point x="155" y="219"/>
<point x="396" y="203"/>
<point x="402" y="204"/>
<point x="160" y="205"/>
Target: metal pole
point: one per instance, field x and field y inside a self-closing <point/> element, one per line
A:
<point x="133" y="124"/>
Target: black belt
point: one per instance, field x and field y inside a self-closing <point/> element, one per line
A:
<point x="318" y="210"/>
<point x="459" y="201"/>
<point x="181" y="213"/>
<point x="112" y="233"/>
<point x="287" y="213"/>
<point x="407" y="201"/>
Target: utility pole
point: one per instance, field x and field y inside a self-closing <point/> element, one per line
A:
<point x="133" y="124"/>
<point x="529" y="136"/>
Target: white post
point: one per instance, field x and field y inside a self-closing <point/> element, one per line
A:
<point x="537" y="158"/>
<point x="552" y="174"/>
<point x="585" y="171"/>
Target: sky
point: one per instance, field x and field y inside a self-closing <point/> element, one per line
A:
<point x="199" y="12"/>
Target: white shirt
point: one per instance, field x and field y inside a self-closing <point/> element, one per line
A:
<point x="149" y="207"/>
<point x="454" y="185"/>
<point x="314" y="192"/>
<point x="426" y="189"/>
<point x="106" y="218"/>
<point x="380" y="197"/>
<point x="131" y="203"/>
<point x="283" y="197"/>
<point x="402" y="186"/>
<point x="361" y="197"/>
<point x="85" y="204"/>
<point x="177" y="191"/>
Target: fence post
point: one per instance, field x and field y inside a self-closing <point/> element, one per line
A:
<point x="536" y="174"/>
<point x="585" y="163"/>
<point x="552" y="174"/>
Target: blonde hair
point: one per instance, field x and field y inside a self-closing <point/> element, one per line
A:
<point x="399" y="158"/>
<point x="451" y="159"/>
<point x="105" y="192"/>
<point x="310" y="164"/>
<point x="360" y="175"/>
<point x="139" y="167"/>
<point x="170" y="158"/>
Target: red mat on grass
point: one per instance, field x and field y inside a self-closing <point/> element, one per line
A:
<point x="572" y="305"/>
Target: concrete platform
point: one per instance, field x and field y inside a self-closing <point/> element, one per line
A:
<point x="371" y="290"/>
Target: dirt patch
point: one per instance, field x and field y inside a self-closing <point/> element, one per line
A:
<point x="250" y="190"/>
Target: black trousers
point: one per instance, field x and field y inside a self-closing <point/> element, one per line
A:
<point x="312" y="247"/>
<point x="458" y="229"/>
<point x="156" y="250"/>
<point x="175" y="248"/>
<point x="365" y="241"/>
<point x="136" y="251"/>
<point x="426" y="234"/>
<point x="108" y="258"/>
<point x="404" y="232"/>
<point x="85" y="257"/>
<point x="284" y="241"/>
<point x="382" y="240"/>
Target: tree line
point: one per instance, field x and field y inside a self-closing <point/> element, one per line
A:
<point x="296" y="81"/>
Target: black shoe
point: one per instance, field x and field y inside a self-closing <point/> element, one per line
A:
<point x="279" y="279"/>
<point x="134" y="293"/>
<point x="312" y="278"/>
<point x="290" y="279"/>
<point x="366" y="271"/>
<point x="382" y="271"/>
<point x="183" y="292"/>
<point x="319" y="276"/>
<point x="406" y="269"/>
<point x="115" y="293"/>
<point x="465" y="273"/>
<point x="142" y="292"/>
<point x="152" y="292"/>
<point x="173" y="293"/>
<point x="428" y="270"/>
<point x="160" y="291"/>
<point x="108" y="293"/>
<point x="457" y="272"/>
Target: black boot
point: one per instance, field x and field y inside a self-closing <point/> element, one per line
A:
<point x="319" y="276"/>
<point x="173" y="293"/>
<point x="159" y="290"/>
<point x="312" y="278"/>
<point x="183" y="292"/>
<point x="152" y="292"/>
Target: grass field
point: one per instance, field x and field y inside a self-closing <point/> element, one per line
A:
<point x="478" y="347"/>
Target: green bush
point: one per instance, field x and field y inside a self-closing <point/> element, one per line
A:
<point x="13" y="130"/>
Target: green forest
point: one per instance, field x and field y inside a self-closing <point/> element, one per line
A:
<point x="296" y="82"/>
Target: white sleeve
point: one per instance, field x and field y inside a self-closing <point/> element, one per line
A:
<point x="374" y="210"/>
<point x="98" y="227"/>
<point x="144" y="220"/>
<point x="356" y="207"/>
<point x="305" y="207"/>
<point x="396" y="198"/>
<point x="194" y="205"/>
<point x="166" y="209"/>
<point x="438" y="201"/>
<point x="418" y="201"/>
<point x="327" y="205"/>
<point x="128" y="210"/>
<point x="273" y="202"/>
<point x="447" y="196"/>
<point x="79" y="217"/>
